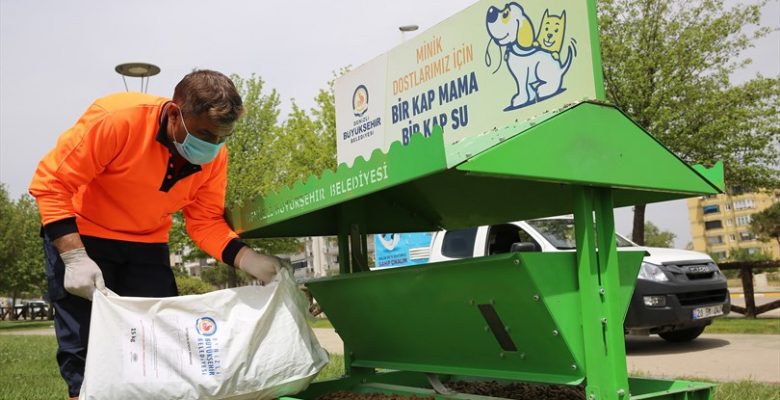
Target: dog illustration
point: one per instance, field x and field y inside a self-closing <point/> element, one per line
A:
<point x="536" y="72"/>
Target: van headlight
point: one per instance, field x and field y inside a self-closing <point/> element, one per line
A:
<point x="652" y="272"/>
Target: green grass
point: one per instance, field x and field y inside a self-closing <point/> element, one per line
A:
<point x="764" y="326"/>
<point x="334" y="369"/>
<point x="28" y="369"/>
<point x="7" y="325"/>
<point x="320" y="323"/>
<point x="746" y="390"/>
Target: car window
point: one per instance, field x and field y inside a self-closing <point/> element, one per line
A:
<point x="459" y="243"/>
<point x="502" y="237"/>
<point x="560" y="233"/>
<point x="622" y="242"/>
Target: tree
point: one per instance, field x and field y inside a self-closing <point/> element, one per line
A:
<point x="766" y="224"/>
<point x="256" y="166"/>
<point x="306" y="145"/>
<point x="654" y="237"/>
<point x="7" y="235"/>
<point x="192" y="285"/>
<point x="22" y="269"/>
<point x="216" y="276"/>
<point x="250" y="146"/>
<point x="298" y="148"/>
<point x="219" y="277"/>
<point x="746" y="255"/>
<point x="667" y="64"/>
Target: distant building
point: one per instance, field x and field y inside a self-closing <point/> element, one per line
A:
<point x="721" y="223"/>
<point x="319" y="257"/>
<point x="322" y="256"/>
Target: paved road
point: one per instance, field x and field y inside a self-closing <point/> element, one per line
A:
<point x="720" y="357"/>
<point x="26" y="332"/>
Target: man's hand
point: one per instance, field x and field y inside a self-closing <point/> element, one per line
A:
<point x="261" y="266"/>
<point x="314" y="308"/>
<point x="82" y="275"/>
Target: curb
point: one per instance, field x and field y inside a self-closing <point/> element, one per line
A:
<point x="755" y="295"/>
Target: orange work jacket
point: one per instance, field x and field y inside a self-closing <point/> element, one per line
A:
<point x="112" y="176"/>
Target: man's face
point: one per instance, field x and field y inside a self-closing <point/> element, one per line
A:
<point x="199" y="126"/>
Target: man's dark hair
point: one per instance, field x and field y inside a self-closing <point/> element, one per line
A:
<point x="211" y="92"/>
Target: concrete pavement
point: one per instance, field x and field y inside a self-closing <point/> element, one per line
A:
<point x="719" y="357"/>
<point x="29" y="332"/>
<point x="330" y="340"/>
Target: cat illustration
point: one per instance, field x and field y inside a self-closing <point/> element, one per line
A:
<point x="550" y="37"/>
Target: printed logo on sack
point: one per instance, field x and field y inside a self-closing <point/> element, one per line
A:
<point x="360" y="101"/>
<point x="206" y="326"/>
<point x="208" y="347"/>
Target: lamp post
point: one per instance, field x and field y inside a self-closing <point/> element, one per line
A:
<point x="407" y="28"/>
<point x="137" y="70"/>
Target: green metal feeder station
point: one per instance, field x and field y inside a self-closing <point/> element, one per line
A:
<point x="543" y="318"/>
<point x="521" y="133"/>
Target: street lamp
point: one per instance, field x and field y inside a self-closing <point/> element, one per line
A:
<point x="407" y="28"/>
<point x="137" y="70"/>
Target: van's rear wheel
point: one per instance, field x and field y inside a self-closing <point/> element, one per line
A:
<point x="682" y="335"/>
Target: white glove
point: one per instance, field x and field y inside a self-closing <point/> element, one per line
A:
<point x="261" y="266"/>
<point x="82" y="275"/>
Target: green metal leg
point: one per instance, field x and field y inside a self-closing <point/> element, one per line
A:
<point x="359" y="249"/>
<point x="344" y="268"/>
<point x="344" y="258"/>
<point x="598" y="274"/>
<point x="610" y="272"/>
<point x="353" y="258"/>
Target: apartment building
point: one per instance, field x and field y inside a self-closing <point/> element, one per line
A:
<point x="721" y="223"/>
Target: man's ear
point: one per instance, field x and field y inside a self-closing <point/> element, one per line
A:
<point x="173" y="111"/>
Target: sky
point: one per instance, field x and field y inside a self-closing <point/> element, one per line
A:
<point x="56" y="57"/>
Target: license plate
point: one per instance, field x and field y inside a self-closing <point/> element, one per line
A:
<point x="706" y="312"/>
<point x="699" y="269"/>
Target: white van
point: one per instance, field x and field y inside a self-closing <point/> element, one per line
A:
<point x="678" y="292"/>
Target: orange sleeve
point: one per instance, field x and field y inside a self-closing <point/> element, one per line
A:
<point x="205" y="217"/>
<point x="81" y="153"/>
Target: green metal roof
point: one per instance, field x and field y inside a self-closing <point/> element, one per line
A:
<point x="522" y="171"/>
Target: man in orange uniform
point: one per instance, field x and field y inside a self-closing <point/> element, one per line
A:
<point x="106" y="193"/>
